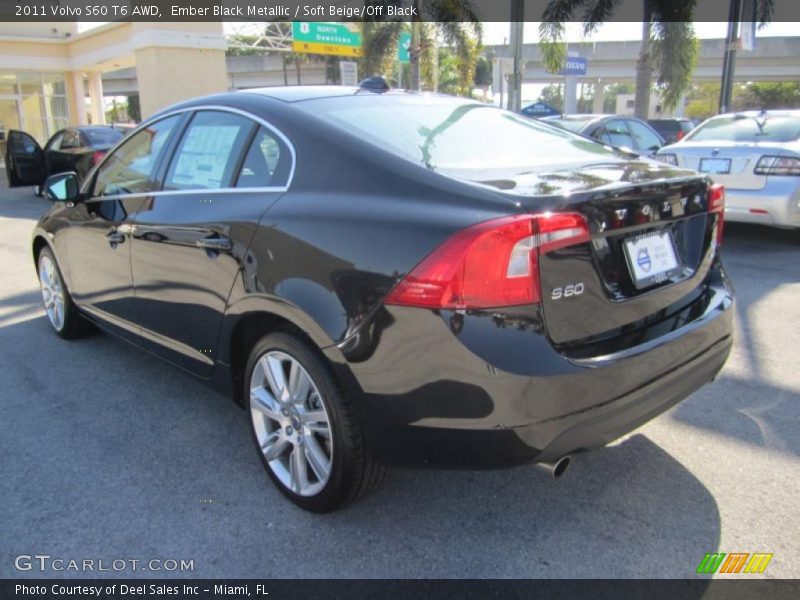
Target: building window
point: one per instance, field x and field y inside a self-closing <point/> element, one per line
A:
<point x="37" y="103"/>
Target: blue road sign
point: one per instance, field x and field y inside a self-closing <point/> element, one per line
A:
<point x="575" y="66"/>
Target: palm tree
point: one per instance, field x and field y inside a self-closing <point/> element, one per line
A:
<point x="453" y="22"/>
<point x="669" y="47"/>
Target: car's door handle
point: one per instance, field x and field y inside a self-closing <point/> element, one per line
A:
<point x="217" y="243"/>
<point x="115" y="237"/>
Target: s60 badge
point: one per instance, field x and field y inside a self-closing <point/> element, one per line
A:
<point x="573" y="289"/>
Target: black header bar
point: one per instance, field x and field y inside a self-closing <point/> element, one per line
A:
<point x="351" y="589"/>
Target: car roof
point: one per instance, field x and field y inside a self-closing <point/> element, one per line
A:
<point x="115" y="126"/>
<point x="299" y="93"/>
<point x="760" y="113"/>
<point x="577" y="117"/>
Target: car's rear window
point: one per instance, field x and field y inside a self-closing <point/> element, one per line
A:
<point x="569" y="124"/>
<point x="454" y="136"/>
<point x="667" y="126"/>
<point x="748" y="129"/>
<point x="98" y="137"/>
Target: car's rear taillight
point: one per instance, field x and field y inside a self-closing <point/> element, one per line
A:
<point x="716" y="204"/>
<point x="491" y="264"/>
<point x="97" y="157"/>
<point x="777" y="165"/>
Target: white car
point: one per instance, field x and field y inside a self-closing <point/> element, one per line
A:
<point x="756" y="156"/>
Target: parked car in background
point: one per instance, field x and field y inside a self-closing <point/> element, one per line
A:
<point x="623" y="132"/>
<point x="390" y="277"/>
<point x="672" y="130"/>
<point x="76" y="149"/>
<point x="756" y="156"/>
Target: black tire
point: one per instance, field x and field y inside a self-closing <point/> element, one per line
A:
<point x="353" y="472"/>
<point x="74" y="325"/>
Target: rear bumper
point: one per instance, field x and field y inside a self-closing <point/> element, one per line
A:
<point x="776" y="204"/>
<point x="473" y="391"/>
<point x="604" y="424"/>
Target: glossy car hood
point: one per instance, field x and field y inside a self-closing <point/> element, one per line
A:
<point x="599" y="176"/>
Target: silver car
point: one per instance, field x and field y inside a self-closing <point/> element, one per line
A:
<point x="756" y="156"/>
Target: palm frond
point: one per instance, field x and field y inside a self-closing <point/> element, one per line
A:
<point x="674" y="51"/>
<point x="597" y="13"/>
<point x="443" y="11"/>
<point x="551" y="32"/>
<point x="764" y="9"/>
<point x="379" y="40"/>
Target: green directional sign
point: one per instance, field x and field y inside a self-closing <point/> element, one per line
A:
<point x="326" y="38"/>
<point x="403" y="44"/>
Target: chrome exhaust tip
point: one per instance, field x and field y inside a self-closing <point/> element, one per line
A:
<point x="557" y="468"/>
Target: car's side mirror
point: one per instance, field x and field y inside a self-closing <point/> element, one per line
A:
<point x="62" y="187"/>
<point x="654" y="149"/>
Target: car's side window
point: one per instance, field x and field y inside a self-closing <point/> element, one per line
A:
<point x="55" y="141"/>
<point x="643" y="137"/>
<point x="209" y="151"/>
<point x="267" y="164"/>
<point x="22" y="143"/>
<point x="617" y="134"/>
<point x="70" y="140"/>
<point x="131" y="169"/>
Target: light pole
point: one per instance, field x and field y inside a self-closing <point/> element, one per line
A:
<point x="517" y="35"/>
<point x="729" y="59"/>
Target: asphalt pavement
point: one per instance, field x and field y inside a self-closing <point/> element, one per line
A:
<point x="108" y="454"/>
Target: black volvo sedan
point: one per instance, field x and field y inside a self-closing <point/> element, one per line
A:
<point x="393" y="277"/>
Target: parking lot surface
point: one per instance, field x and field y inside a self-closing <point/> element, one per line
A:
<point x="108" y="453"/>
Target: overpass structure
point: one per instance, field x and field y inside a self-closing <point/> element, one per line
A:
<point x="774" y="59"/>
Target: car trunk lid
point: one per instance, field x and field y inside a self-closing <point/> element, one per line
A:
<point x="731" y="164"/>
<point x="651" y="244"/>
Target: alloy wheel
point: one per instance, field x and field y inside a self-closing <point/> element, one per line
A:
<point x="291" y="423"/>
<point x="52" y="292"/>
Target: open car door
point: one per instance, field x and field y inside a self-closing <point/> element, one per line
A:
<point x="24" y="160"/>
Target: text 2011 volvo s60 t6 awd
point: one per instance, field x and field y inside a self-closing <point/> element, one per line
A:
<point x="386" y="278"/>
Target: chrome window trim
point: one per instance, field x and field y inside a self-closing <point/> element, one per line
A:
<point x="185" y="192"/>
<point x="277" y="132"/>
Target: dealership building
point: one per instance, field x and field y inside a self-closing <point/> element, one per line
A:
<point x="48" y="70"/>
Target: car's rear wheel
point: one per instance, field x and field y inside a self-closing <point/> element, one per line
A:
<point x="61" y="310"/>
<point x="304" y="427"/>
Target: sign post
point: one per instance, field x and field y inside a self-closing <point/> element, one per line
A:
<point x="348" y="73"/>
<point x="574" y="67"/>
<point x="337" y="39"/>
<point x="403" y="44"/>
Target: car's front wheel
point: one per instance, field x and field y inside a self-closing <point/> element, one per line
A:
<point x="304" y="427"/>
<point x="61" y="310"/>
